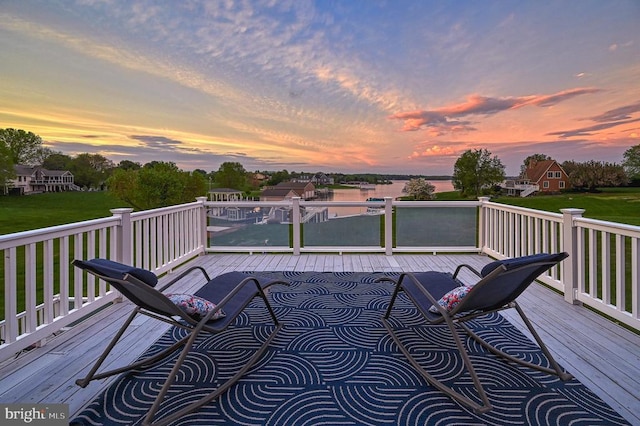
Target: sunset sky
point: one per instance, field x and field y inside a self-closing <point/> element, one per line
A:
<point x="336" y="86"/>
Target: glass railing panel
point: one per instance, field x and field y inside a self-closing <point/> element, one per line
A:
<point x="342" y="227"/>
<point x="435" y="227"/>
<point x="246" y="227"/>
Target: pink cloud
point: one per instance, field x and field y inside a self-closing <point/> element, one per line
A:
<point x="427" y="150"/>
<point x="449" y="118"/>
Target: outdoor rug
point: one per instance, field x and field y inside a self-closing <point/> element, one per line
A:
<point x="334" y="364"/>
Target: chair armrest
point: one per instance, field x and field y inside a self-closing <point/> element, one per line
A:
<point x="471" y="268"/>
<point x="184" y="274"/>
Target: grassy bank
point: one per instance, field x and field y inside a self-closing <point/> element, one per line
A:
<point x="43" y="210"/>
<point x="612" y="204"/>
<point x="22" y="213"/>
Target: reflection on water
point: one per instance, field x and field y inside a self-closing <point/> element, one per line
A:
<point x="334" y="226"/>
<point x="393" y="190"/>
<point x="413" y="227"/>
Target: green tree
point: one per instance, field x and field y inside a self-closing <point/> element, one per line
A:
<point x="23" y="147"/>
<point x="530" y="159"/>
<point x="123" y="183"/>
<point x="277" y="177"/>
<point x="43" y="154"/>
<point x="129" y="165"/>
<point x="90" y="170"/>
<point x="420" y="189"/>
<point x="156" y="184"/>
<point x="475" y="171"/>
<point x="231" y="175"/>
<point x="57" y="161"/>
<point x="631" y="162"/>
<point x="7" y="171"/>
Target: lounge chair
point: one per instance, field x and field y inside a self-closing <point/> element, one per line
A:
<point x="211" y="310"/>
<point x="442" y="299"/>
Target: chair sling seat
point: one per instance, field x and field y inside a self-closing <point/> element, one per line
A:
<point x="230" y="292"/>
<point x="500" y="283"/>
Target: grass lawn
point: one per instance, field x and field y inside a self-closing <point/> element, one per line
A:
<point x="22" y="213"/>
<point x="620" y="205"/>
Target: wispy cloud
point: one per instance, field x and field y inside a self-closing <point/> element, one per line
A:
<point x="590" y="130"/>
<point x="158" y="142"/>
<point x="621" y="113"/>
<point x="304" y="84"/>
<point x="607" y="120"/>
<point x="450" y="117"/>
<point x="615" y="46"/>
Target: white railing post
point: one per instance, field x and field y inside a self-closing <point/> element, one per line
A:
<point x="388" y="226"/>
<point x="204" y="243"/>
<point x="482" y="231"/>
<point x="124" y="237"/>
<point x="570" y="245"/>
<point x="295" y="220"/>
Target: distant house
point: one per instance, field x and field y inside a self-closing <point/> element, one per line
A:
<point x="30" y="180"/>
<point x="225" y="194"/>
<point x="272" y="193"/>
<point x="288" y="190"/>
<point x="546" y="176"/>
<point x="317" y="179"/>
<point x="322" y="179"/>
<point x="257" y="179"/>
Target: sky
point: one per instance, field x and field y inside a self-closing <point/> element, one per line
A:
<point x="351" y="86"/>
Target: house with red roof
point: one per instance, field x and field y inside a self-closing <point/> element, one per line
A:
<point x="288" y="190"/>
<point x="544" y="176"/>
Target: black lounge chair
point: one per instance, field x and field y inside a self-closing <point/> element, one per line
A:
<point x="229" y="293"/>
<point x="500" y="283"/>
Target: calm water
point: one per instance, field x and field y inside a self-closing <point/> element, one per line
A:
<point x="354" y="227"/>
<point x="393" y="190"/>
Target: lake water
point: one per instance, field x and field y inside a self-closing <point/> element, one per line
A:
<point x="354" y="226"/>
<point x="380" y="191"/>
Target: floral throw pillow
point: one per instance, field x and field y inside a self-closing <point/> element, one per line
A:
<point x="451" y="299"/>
<point x="194" y="306"/>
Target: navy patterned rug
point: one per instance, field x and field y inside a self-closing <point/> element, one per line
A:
<point x="334" y="364"/>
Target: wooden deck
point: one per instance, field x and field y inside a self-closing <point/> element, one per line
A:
<point x="602" y="355"/>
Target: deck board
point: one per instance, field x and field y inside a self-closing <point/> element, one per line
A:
<point x="602" y="355"/>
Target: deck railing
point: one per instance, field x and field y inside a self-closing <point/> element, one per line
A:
<point x="603" y="268"/>
<point x="393" y="227"/>
<point x="43" y="294"/>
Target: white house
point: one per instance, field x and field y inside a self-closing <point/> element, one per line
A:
<point x="30" y="180"/>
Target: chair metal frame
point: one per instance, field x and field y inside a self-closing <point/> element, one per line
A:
<point x="455" y="320"/>
<point x="152" y="302"/>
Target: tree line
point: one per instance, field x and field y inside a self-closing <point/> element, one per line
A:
<point x="158" y="183"/>
<point x="477" y="172"/>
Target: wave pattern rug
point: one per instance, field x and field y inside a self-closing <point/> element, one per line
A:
<point x="334" y="364"/>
